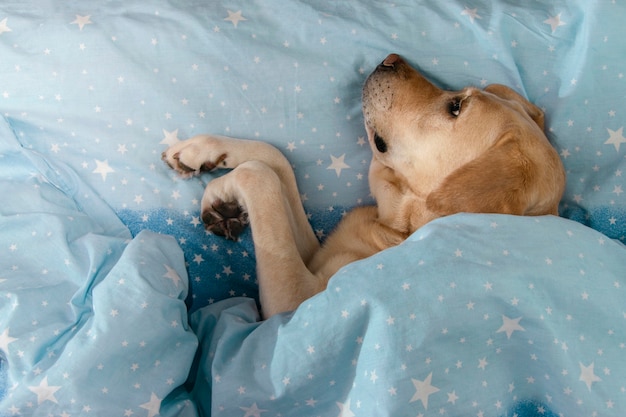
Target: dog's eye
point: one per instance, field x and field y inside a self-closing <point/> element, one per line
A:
<point x="455" y="107"/>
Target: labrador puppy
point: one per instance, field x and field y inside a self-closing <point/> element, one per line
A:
<point x="435" y="153"/>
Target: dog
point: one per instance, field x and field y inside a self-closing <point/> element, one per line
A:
<point x="435" y="153"/>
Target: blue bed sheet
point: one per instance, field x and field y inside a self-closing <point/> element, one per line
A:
<point x="114" y="301"/>
<point x="91" y="319"/>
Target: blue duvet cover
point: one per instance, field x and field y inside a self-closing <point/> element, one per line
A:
<point x="115" y="302"/>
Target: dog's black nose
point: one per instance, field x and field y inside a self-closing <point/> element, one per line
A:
<point x="390" y="62"/>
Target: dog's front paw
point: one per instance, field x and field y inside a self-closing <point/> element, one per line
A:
<point x="227" y="219"/>
<point x="193" y="156"/>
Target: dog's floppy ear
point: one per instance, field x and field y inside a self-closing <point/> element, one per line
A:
<point x="507" y="93"/>
<point x="495" y="182"/>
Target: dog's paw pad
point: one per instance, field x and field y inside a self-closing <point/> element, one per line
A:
<point x="175" y="163"/>
<point x="227" y="219"/>
<point x="187" y="160"/>
<point x="211" y="165"/>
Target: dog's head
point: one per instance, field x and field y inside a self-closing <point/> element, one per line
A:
<point x="472" y="150"/>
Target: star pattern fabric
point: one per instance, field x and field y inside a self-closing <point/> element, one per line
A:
<point x="497" y="331"/>
<point x="110" y="92"/>
<point x="91" y="96"/>
<point x="91" y="319"/>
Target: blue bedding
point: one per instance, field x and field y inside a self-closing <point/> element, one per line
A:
<point x="524" y="318"/>
<point x="114" y="301"/>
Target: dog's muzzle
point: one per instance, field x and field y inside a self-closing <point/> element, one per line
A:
<point x="377" y="96"/>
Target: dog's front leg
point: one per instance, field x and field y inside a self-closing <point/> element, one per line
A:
<point x="208" y="152"/>
<point x="256" y="189"/>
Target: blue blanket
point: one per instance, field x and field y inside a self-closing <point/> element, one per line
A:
<point x="472" y="315"/>
<point x="114" y="301"/>
<point x="90" y="318"/>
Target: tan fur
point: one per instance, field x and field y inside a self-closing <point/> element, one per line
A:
<point x="491" y="157"/>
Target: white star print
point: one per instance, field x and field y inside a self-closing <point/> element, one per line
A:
<point x="616" y="138"/>
<point x="44" y="391"/>
<point x="171" y="138"/>
<point x="5" y="340"/>
<point x="471" y="13"/>
<point x="103" y="168"/>
<point x="3" y="26"/>
<point x="153" y="406"/>
<point x="510" y="325"/>
<point x="587" y="375"/>
<point x="345" y="409"/>
<point x="81" y="21"/>
<point x="554" y="22"/>
<point x="172" y="274"/>
<point x="235" y="17"/>
<point x="252" y="411"/>
<point x="452" y="397"/>
<point x="373" y="376"/>
<point x="338" y="164"/>
<point x="423" y="390"/>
